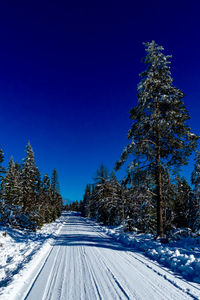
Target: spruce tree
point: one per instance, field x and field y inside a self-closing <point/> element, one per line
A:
<point x="160" y="137"/>
<point x="56" y="198"/>
<point x="101" y="194"/>
<point x="2" y="170"/>
<point x="8" y="191"/>
<point x="195" y="201"/>
<point x="11" y="193"/>
<point x="115" y="203"/>
<point x="28" y="181"/>
<point x="54" y="182"/>
<point x="180" y="205"/>
<point x="85" y="205"/>
<point x="8" y="183"/>
<point x="45" y="198"/>
<point x="141" y="200"/>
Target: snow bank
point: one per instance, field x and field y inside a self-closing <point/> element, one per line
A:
<point x="18" y="247"/>
<point x="181" y="256"/>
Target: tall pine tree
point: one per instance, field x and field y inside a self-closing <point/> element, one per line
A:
<point x="29" y="181"/>
<point x="160" y="137"/>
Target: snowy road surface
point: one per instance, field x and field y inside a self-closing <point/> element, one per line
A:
<point x="84" y="263"/>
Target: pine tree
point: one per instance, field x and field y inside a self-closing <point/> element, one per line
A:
<point x="100" y="195"/>
<point x="46" y="184"/>
<point x="101" y="174"/>
<point x="115" y="203"/>
<point x="8" y="191"/>
<point x="85" y="205"/>
<point x="180" y="205"/>
<point x="2" y="170"/>
<point x="141" y="200"/>
<point x="37" y="181"/>
<point x="159" y="135"/>
<point x="29" y="181"/>
<point x="45" y="199"/>
<point x="54" y="182"/>
<point x="195" y="179"/>
<point x="11" y="186"/>
<point x="56" y="198"/>
<point x="8" y="183"/>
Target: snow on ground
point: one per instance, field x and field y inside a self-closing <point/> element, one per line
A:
<point x="18" y="247"/>
<point x="75" y="258"/>
<point x="181" y="255"/>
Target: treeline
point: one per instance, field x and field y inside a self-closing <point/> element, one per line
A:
<point x="113" y="203"/>
<point x="27" y="201"/>
<point x="73" y="206"/>
<point x="152" y="197"/>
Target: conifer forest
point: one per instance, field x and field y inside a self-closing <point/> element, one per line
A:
<point x="27" y="200"/>
<point x="153" y="197"/>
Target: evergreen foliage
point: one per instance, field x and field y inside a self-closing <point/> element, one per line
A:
<point x="195" y="179"/>
<point x="160" y="137"/>
<point x="73" y="206"/>
<point x="26" y="200"/>
<point x="152" y="197"/>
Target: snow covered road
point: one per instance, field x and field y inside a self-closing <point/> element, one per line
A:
<point x="84" y="263"/>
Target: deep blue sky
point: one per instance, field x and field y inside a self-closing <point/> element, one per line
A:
<point x="69" y="72"/>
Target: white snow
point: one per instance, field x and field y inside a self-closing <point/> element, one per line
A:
<point x="181" y="256"/>
<point x="18" y="248"/>
<point x="84" y="260"/>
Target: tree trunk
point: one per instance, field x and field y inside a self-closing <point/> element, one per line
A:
<point x="123" y="207"/>
<point x="159" y="191"/>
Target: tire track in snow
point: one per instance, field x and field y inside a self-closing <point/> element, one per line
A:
<point x="84" y="263"/>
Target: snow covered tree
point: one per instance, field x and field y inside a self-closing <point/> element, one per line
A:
<point x="56" y="198"/>
<point x="54" y="182"/>
<point x="26" y="201"/>
<point x="11" y="186"/>
<point x="180" y="205"/>
<point x="37" y="181"/>
<point x="85" y="205"/>
<point x="46" y="184"/>
<point x="8" y="183"/>
<point x="97" y="194"/>
<point x="169" y="198"/>
<point x="45" y="199"/>
<point x="141" y="199"/>
<point x="2" y="170"/>
<point x="101" y="195"/>
<point x="101" y="174"/>
<point x="28" y="181"/>
<point x="8" y="191"/>
<point x="195" y="179"/>
<point x="160" y="137"/>
<point x="116" y="202"/>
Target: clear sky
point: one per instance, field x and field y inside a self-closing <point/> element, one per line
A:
<point x="69" y="72"/>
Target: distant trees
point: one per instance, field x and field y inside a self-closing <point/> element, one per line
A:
<point x="73" y="206"/>
<point x="26" y="200"/>
<point x="102" y="200"/>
